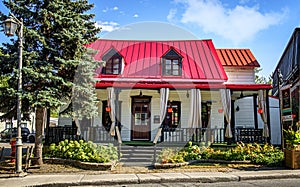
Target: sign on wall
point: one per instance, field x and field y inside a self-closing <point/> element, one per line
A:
<point x="286" y="99"/>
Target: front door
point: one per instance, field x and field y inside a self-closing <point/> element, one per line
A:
<point x="141" y="118"/>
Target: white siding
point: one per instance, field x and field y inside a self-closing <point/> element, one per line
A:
<point x="245" y="117"/>
<point x="240" y="75"/>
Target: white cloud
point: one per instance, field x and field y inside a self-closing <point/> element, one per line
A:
<point x="237" y="24"/>
<point x="135" y="15"/>
<point x="116" y="8"/>
<point x="107" y="26"/>
<point x="105" y="10"/>
<point x="171" y="15"/>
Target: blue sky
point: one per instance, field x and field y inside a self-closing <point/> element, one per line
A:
<point x="263" y="26"/>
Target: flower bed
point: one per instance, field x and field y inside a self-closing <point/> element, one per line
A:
<point x="242" y="154"/>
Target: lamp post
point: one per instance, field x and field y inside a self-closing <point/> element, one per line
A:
<point x="10" y="26"/>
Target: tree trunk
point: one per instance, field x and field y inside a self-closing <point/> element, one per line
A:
<point x="40" y="118"/>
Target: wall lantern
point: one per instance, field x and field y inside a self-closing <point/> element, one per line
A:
<point x="220" y="110"/>
<point x="107" y="109"/>
<point x="260" y="111"/>
<point x="170" y="110"/>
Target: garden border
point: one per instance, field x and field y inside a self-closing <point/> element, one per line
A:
<point x="173" y="165"/>
<point x="82" y="165"/>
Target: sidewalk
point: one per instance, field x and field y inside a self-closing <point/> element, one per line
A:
<point x="109" y="179"/>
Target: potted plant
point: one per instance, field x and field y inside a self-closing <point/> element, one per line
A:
<point x="292" y="148"/>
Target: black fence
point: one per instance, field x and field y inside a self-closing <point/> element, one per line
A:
<point x="59" y="133"/>
<point x="95" y="134"/>
<point x="170" y="135"/>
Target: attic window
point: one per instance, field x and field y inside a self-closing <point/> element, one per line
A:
<point x="171" y="64"/>
<point x="113" y="64"/>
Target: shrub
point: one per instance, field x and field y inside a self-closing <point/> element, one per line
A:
<point x="265" y="155"/>
<point x="83" y="151"/>
<point x="169" y="155"/>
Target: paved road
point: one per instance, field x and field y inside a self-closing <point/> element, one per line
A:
<point x="249" y="183"/>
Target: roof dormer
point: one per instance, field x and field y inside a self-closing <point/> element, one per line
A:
<point x="113" y="62"/>
<point x="171" y="63"/>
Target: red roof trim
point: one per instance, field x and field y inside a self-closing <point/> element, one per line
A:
<point x="248" y="86"/>
<point x="181" y="85"/>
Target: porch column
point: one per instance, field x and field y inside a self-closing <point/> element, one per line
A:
<point x="164" y="96"/>
<point x="264" y="115"/>
<point x="117" y="115"/>
<point x="111" y="102"/>
<point x="226" y="102"/>
<point x="255" y="111"/>
<point x="232" y="122"/>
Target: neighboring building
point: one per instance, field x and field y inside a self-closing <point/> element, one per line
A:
<point x="286" y="77"/>
<point x="13" y="123"/>
<point x="147" y="86"/>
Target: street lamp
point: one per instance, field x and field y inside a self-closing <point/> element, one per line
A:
<point x="10" y="26"/>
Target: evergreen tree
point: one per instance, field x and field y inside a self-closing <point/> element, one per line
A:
<point x="260" y="79"/>
<point x="55" y="33"/>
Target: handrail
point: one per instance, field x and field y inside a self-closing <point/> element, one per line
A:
<point x="118" y="135"/>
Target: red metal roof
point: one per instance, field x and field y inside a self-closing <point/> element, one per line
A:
<point x="237" y="58"/>
<point x="200" y="61"/>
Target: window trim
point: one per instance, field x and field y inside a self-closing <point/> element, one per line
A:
<point x="112" y="66"/>
<point x="172" y="58"/>
<point x="111" y="56"/>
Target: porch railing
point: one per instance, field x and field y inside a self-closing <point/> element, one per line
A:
<point x="208" y="135"/>
<point x="170" y="135"/>
<point x="59" y="133"/>
<point x="249" y="135"/>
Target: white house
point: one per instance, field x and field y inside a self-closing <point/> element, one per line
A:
<point x="148" y="90"/>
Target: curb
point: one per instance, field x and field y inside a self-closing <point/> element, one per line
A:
<point x="117" y="179"/>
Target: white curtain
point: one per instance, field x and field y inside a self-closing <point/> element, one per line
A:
<point x="262" y="104"/>
<point x="164" y="96"/>
<point x="194" y="120"/>
<point x="226" y="102"/>
<point x="111" y="104"/>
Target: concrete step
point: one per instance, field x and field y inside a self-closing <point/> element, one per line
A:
<point x="138" y="155"/>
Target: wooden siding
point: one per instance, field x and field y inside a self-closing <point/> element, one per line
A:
<point x="240" y="75"/>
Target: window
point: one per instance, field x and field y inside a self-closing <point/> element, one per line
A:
<point x="113" y="64"/>
<point x="171" y="64"/>
<point x="172" y="119"/>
